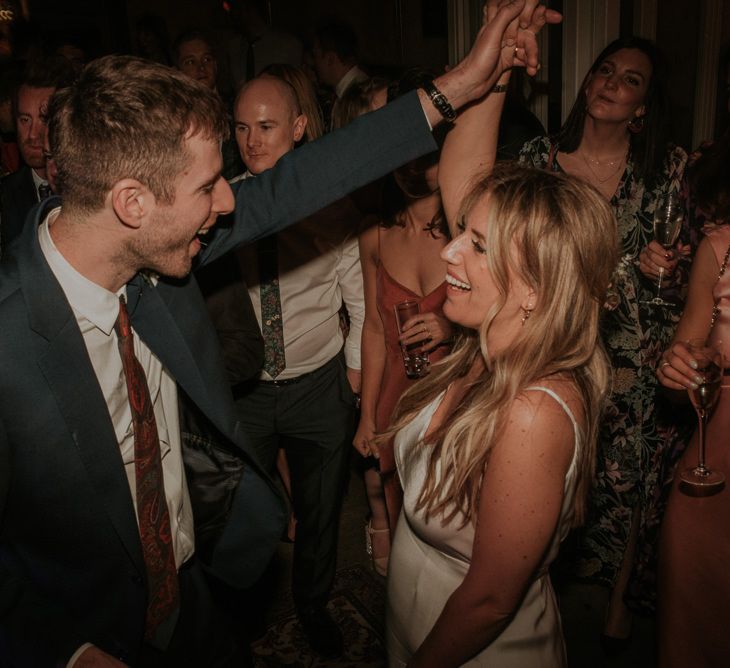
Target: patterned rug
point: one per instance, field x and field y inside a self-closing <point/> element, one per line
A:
<point x="357" y="604"/>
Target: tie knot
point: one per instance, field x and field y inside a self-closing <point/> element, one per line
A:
<point x="44" y="191"/>
<point x="121" y="326"/>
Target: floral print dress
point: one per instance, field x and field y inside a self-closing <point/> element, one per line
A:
<point x="637" y="427"/>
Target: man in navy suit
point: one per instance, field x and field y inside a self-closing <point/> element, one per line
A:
<point x="20" y="191"/>
<point x="96" y="298"/>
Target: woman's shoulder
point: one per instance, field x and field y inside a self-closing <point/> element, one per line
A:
<point x="369" y="237"/>
<point x="554" y="399"/>
<point x="719" y="239"/>
<point x="547" y="419"/>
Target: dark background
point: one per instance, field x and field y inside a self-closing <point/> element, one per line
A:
<point x="392" y="33"/>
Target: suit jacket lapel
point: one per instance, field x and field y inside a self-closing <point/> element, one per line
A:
<point x="171" y="322"/>
<point x="67" y="368"/>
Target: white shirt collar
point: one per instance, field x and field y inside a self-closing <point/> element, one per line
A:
<point x="99" y="306"/>
<point x="37" y="181"/>
<point x="353" y="74"/>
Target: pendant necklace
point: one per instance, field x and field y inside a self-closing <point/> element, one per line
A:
<point x="609" y="163"/>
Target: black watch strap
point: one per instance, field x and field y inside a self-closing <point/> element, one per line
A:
<point x="438" y="99"/>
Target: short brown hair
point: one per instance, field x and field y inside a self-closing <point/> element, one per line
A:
<point x="127" y="118"/>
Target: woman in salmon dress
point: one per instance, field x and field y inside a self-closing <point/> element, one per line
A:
<point x="400" y="261"/>
<point x="694" y="551"/>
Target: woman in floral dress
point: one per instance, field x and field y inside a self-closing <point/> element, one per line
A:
<point x="616" y="138"/>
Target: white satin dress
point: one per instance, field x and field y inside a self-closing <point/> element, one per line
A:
<point x="428" y="562"/>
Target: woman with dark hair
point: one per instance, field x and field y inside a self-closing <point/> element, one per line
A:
<point x="615" y="137"/>
<point x="400" y="258"/>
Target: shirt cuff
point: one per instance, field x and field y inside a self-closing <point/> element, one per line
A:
<point x="74" y="657"/>
<point x="352" y="356"/>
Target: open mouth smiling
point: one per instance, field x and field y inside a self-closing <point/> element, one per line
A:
<point x="457" y="284"/>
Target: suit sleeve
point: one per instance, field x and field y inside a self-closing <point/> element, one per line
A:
<point x="311" y="177"/>
<point x="33" y="630"/>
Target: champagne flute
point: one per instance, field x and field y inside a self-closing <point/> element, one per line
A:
<point x="668" y="217"/>
<point x="709" y="360"/>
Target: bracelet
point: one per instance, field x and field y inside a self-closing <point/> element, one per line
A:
<point x="438" y="99"/>
<point x="499" y="88"/>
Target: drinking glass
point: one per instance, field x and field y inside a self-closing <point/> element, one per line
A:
<point x="709" y="360"/>
<point x="668" y="217"/>
<point x="415" y="361"/>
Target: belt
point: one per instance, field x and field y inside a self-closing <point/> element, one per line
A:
<point x="302" y="376"/>
<point x="288" y="381"/>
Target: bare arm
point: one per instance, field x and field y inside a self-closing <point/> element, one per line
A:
<point x="373" y="346"/>
<point x="470" y="148"/>
<point x="490" y="55"/>
<point x="675" y="369"/>
<point x="521" y="497"/>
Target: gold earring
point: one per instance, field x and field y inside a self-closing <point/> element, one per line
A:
<point x="526" y="313"/>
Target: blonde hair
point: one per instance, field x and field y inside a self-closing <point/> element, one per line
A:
<point x="356" y="101"/>
<point x="564" y="233"/>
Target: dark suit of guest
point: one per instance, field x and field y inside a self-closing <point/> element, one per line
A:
<point x="307" y="407"/>
<point x="231" y="311"/>
<point x="71" y="565"/>
<point x="18" y="195"/>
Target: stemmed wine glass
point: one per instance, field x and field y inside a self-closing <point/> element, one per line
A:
<point x="709" y="360"/>
<point x="668" y="217"/>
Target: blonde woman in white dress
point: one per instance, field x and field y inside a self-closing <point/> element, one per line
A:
<point x="495" y="448"/>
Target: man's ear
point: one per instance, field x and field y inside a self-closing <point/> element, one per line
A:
<point x="300" y="125"/>
<point x="132" y="201"/>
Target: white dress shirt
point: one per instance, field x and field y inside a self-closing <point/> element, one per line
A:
<point x="38" y="182"/>
<point x="96" y="310"/>
<point x="319" y="269"/>
<point x="353" y="75"/>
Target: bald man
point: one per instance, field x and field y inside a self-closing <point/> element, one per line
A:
<point x="304" y="401"/>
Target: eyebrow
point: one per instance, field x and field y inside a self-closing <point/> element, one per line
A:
<point x="634" y="72"/>
<point x="478" y="234"/>
<point x="211" y="181"/>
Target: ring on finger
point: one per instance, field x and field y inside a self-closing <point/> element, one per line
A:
<point x="664" y="363"/>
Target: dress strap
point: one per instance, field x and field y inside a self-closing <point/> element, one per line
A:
<point x="558" y="398"/>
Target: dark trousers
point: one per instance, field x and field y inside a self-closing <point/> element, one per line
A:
<point x="202" y="636"/>
<point x="313" y="420"/>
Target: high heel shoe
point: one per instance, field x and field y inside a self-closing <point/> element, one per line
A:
<point x="380" y="564"/>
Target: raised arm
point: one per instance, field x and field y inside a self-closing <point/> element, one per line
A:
<point x="520" y="501"/>
<point x="471" y="147"/>
<point x="316" y="174"/>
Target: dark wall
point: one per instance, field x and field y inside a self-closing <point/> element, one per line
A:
<point x="678" y="40"/>
<point x="389" y="31"/>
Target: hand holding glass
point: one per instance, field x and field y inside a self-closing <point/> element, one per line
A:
<point x="709" y="367"/>
<point x="415" y="361"/>
<point x="668" y="217"/>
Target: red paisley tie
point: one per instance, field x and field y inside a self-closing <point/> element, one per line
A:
<point x="152" y="514"/>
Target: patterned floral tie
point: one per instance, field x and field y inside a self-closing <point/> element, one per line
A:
<point x="272" y="325"/>
<point x="152" y="514"/>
